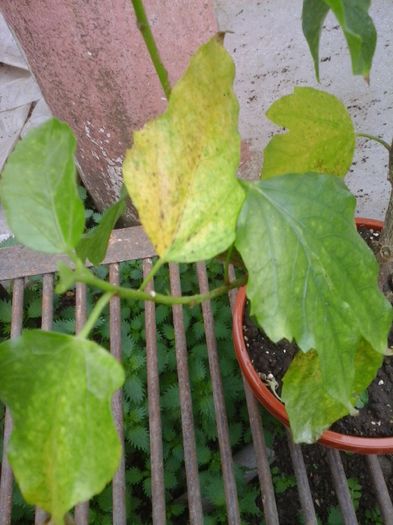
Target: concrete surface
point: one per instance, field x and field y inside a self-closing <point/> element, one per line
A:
<point x="272" y="57"/>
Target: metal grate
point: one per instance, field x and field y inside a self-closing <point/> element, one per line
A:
<point x="17" y="263"/>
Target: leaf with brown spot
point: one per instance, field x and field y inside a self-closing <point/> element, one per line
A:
<point x="181" y="171"/>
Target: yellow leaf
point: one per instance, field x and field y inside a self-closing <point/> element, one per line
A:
<point x="181" y="171"/>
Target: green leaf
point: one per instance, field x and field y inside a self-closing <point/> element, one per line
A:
<point x="138" y="436"/>
<point x="359" y="31"/>
<point x="65" y="326"/>
<point x="134" y="475"/>
<point x="313" y="15"/>
<point x="321" y="136"/>
<point x="64" y="447"/>
<point x="104" y="500"/>
<point x="310" y="408"/>
<point x="67" y="278"/>
<point x="213" y="487"/>
<point x="177" y="509"/>
<point x="35" y="308"/>
<point x="335" y="517"/>
<point x="5" y="311"/>
<point x="134" y="389"/>
<point x="39" y="192"/>
<point x="311" y="276"/>
<point x="248" y="502"/>
<point x="181" y="171"/>
<point x="170" y="398"/>
<point x="356" y="24"/>
<point x="94" y="243"/>
<point x="204" y="454"/>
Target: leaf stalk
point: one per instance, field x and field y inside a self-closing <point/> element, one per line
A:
<point x="94" y="315"/>
<point x="375" y="139"/>
<point x="85" y="276"/>
<point x="157" y="265"/>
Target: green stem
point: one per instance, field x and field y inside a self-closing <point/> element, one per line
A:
<point x="94" y="315"/>
<point x="226" y="264"/>
<point x="85" y="276"/>
<point x="144" y="27"/>
<point x="375" y="139"/>
<point x="157" y="265"/>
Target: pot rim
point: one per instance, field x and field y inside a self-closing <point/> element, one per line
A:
<point x="356" y="444"/>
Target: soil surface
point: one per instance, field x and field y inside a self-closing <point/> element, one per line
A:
<point x="271" y="360"/>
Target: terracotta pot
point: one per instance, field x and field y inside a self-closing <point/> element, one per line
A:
<point x="360" y="445"/>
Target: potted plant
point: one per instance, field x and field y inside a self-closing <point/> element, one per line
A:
<point x="181" y="175"/>
<point x="307" y="418"/>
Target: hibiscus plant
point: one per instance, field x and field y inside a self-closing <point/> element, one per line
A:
<point x="310" y="277"/>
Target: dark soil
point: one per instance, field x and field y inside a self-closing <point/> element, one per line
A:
<point x="271" y="360"/>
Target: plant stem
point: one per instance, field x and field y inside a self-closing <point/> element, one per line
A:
<point x="157" y="265"/>
<point x="375" y="139"/>
<point x="385" y="255"/>
<point x="226" y="264"/>
<point x="144" y="28"/>
<point x="94" y="315"/>
<point x="87" y="277"/>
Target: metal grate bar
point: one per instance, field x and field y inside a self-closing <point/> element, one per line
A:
<point x="6" y="474"/>
<point x="187" y="420"/>
<point x="47" y="302"/>
<point x="258" y="438"/>
<point x="341" y="487"/>
<point x="119" y="480"/>
<point x="263" y="467"/>
<point x="381" y="490"/>
<point x="303" y="485"/>
<point x="153" y="387"/>
<point x="46" y="324"/>
<point x="81" y="510"/>
<point x="219" y="404"/>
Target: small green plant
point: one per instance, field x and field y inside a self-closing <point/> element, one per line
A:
<point x="355" y="490"/>
<point x="310" y="278"/>
<point x="373" y="517"/>
<point x="282" y="482"/>
<point x="335" y="516"/>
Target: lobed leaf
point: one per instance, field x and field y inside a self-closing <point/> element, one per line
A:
<point x="321" y="135"/>
<point x="310" y="408"/>
<point x="357" y="26"/>
<point x="38" y="190"/>
<point x="64" y="447"/>
<point x="311" y="277"/>
<point x="181" y="171"/>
